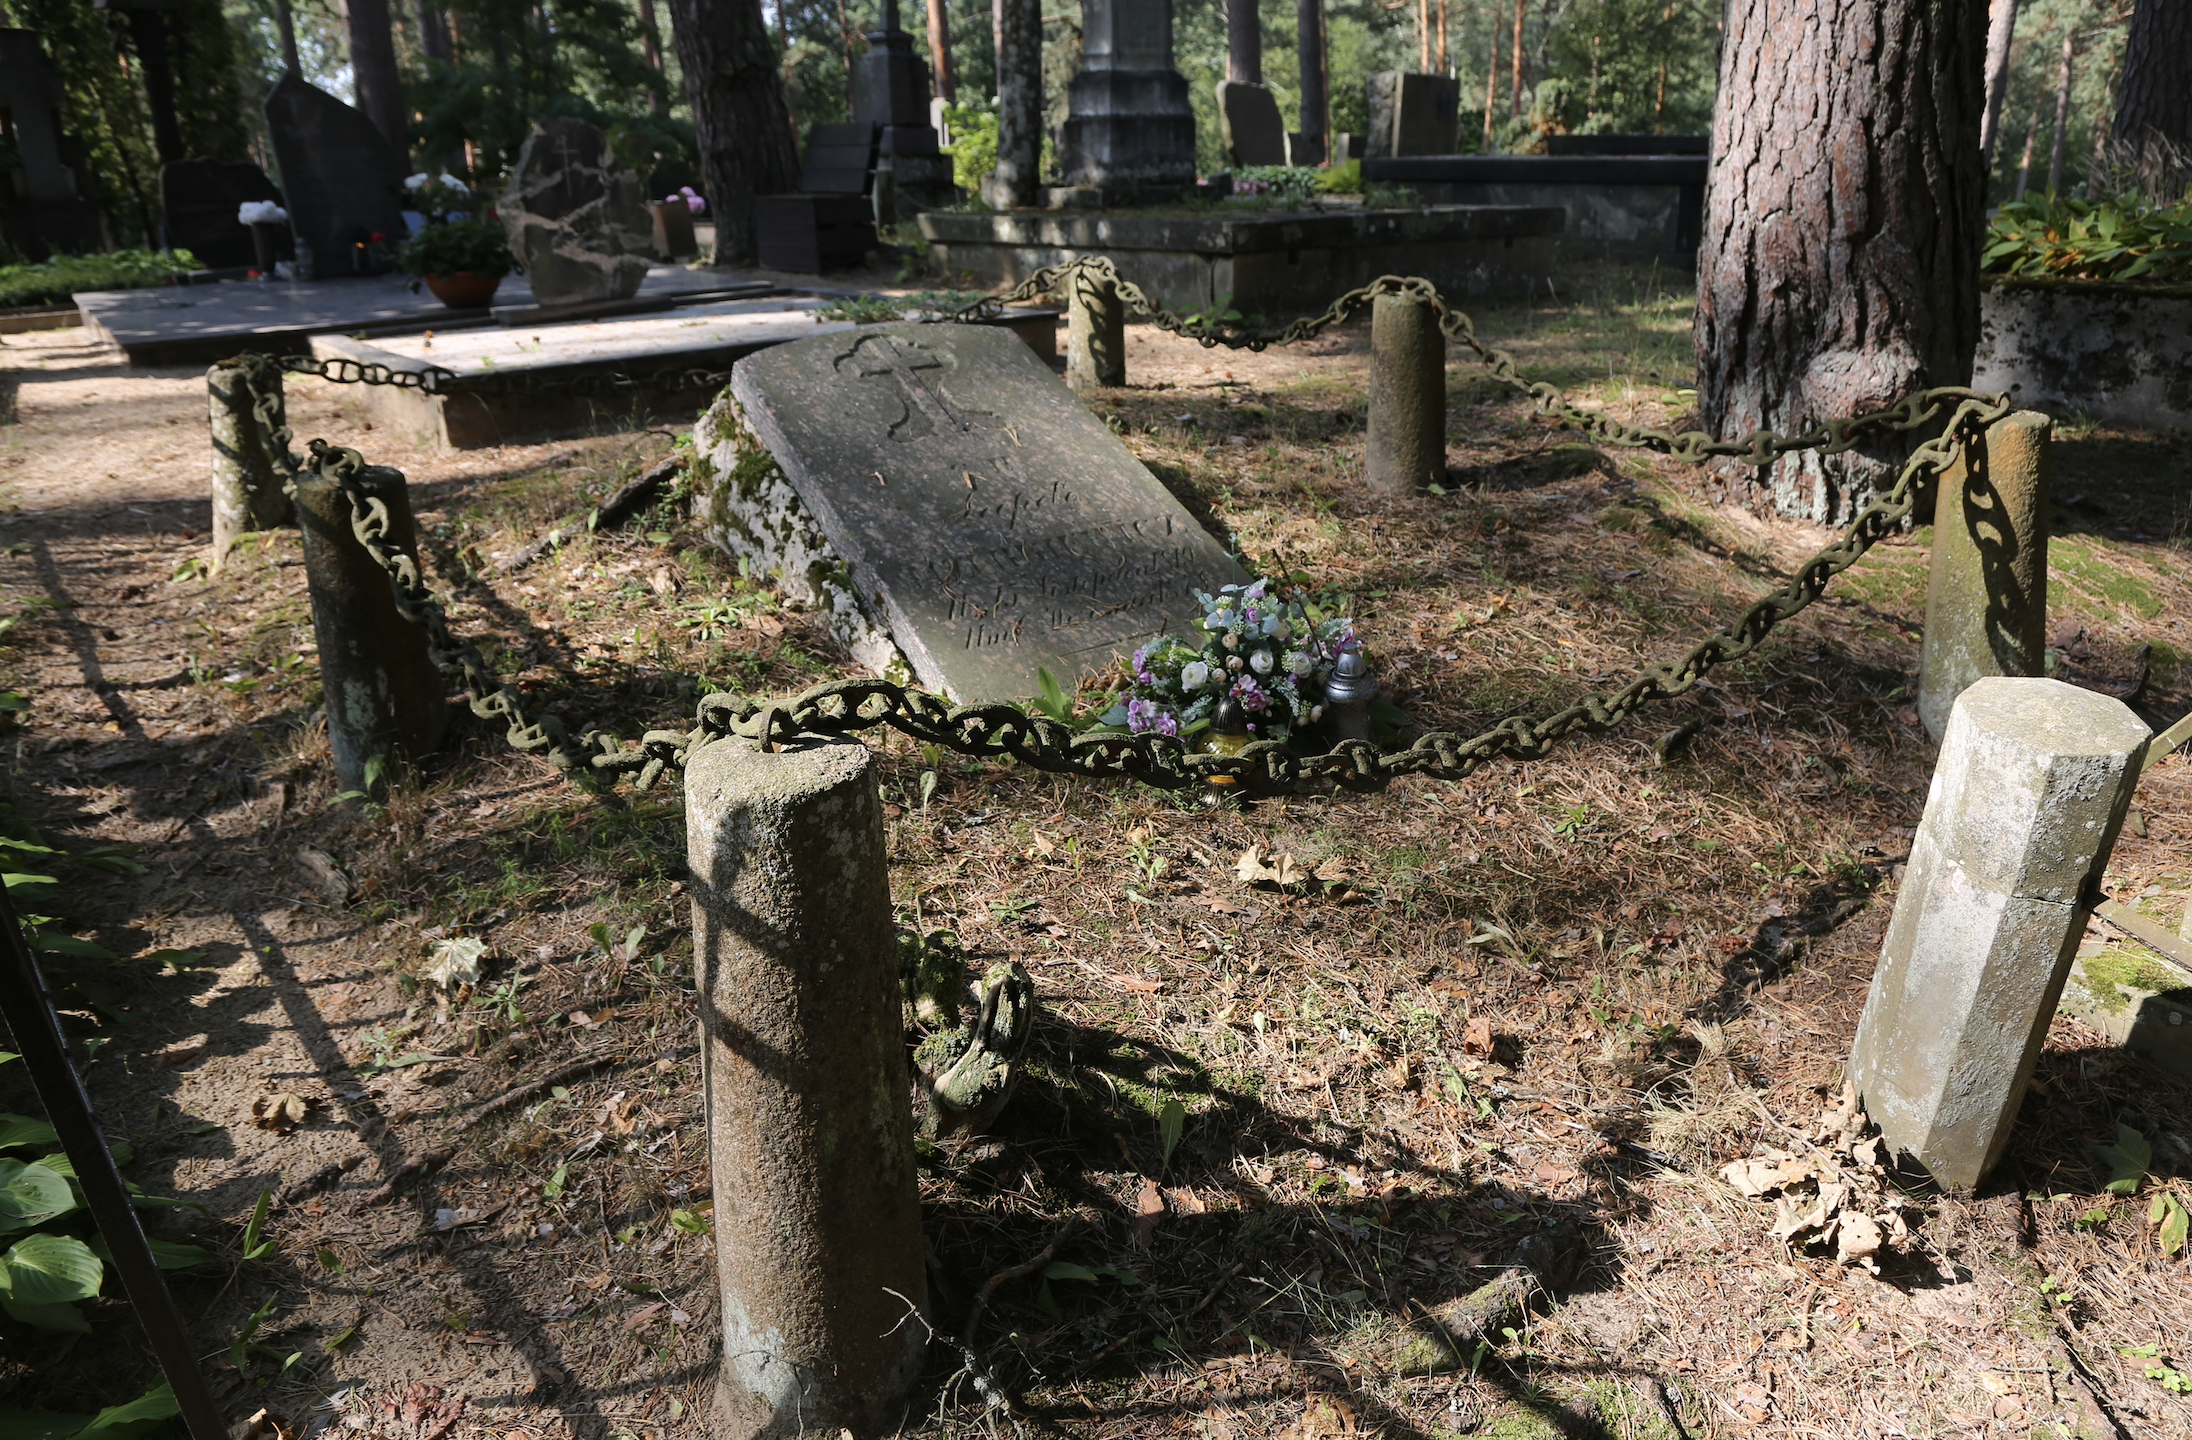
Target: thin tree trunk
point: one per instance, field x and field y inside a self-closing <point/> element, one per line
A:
<point x="1423" y="36"/>
<point x="2024" y="166"/>
<point x="1491" y="78"/>
<point x="1442" y="37"/>
<point x="1514" y="88"/>
<point x="1309" y="50"/>
<point x="433" y="31"/>
<point x="285" y="21"/>
<point x="947" y="81"/>
<point x="650" y="49"/>
<point x="2001" y="29"/>
<point x="2062" y="121"/>
<point x="2153" y="128"/>
<point x="1020" y="103"/>
<point x="1839" y="268"/>
<point x="373" y="69"/>
<point x="1243" y="43"/>
<point x="740" y="122"/>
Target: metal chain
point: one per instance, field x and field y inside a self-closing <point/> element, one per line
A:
<point x="993" y="731"/>
<point x="436" y="379"/>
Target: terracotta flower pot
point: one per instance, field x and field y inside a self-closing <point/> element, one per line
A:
<point x="464" y="290"/>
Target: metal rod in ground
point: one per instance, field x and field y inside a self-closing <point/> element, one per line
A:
<point x="36" y="1030"/>
<point x="1986" y="594"/>
<point x="1407" y="442"/>
<point x="247" y="483"/>
<point x="809" y="1100"/>
<point x="1095" y="333"/>
<point x="385" y="699"/>
<point x="2027" y="799"/>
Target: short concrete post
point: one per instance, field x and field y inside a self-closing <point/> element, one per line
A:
<point x="2031" y="787"/>
<point x="1095" y="333"/>
<point x="1407" y="441"/>
<point x="809" y="1099"/>
<point x="247" y="484"/>
<point x="385" y="697"/>
<point x="1986" y="601"/>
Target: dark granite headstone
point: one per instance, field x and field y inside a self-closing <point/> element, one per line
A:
<point x="200" y="199"/>
<point x="343" y="182"/>
<point x="1412" y="114"/>
<point x="577" y="217"/>
<point x="47" y="208"/>
<point x="988" y="519"/>
<point x="1254" y="133"/>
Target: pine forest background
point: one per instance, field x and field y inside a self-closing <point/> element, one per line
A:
<point x="1632" y="66"/>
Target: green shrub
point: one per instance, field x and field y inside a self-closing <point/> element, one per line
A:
<point x="973" y="144"/>
<point x="1280" y="182"/>
<point x="456" y="247"/>
<point x="54" y="281"/>
<point x="2124" y="239"/>
<point x="1344" y="178"/>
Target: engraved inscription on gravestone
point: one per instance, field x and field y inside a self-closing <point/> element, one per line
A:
<point x="989" y="521"/>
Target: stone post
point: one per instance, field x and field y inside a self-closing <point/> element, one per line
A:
<point x="1095" y="333"/>
<point x="2031" y="787"/>
<point x="1986" y="600"/>
<point x="385" y="697"/>
<point x="1407" y="440"/>
<point x="809" y="1099"/>
<point x="247" y="483"/>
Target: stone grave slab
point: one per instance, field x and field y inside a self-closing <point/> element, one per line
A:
<point x="343" y="181"/>
<point x="577" y="218"/>
<point x="988" y="520"/>
<point x="200" y="199"/>
<point x="1254" y="133"/>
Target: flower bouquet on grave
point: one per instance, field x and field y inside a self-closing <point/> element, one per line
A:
<point x="1257" y="659"/>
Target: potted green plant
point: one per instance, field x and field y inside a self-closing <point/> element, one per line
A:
<point x="461" y="261"/>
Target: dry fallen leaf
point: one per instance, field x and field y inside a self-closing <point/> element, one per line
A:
<point x="1149" y="1208"/>
<point x="318" y="869"/>
<point x="282" y="1111"/>
<point x="268" y="1425"/>
<point x="1753" y="1402"/>
<point x="453" y="963"/>
<point x="1137" y="984"/>
<point x="1476" y="1036"/>
<point x="1858" y="1240"/>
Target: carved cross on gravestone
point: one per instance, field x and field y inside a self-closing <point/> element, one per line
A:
<point x="910" y="364"/>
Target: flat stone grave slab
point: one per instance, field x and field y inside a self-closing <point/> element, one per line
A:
<point x="488" y="403"/>
<point x="199" y="324"/>
<point x="988" y="520"/>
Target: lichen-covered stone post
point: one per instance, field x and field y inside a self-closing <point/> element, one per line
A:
<point x="809" y="1100"/>
<point x="2028" y="795"/>
<point x="385" y="698"/>
<point x="1407" y="441"/>
<point x="1095" y="333"/>
<point x="247" y="484"/>
<point x="1986" y="600"/>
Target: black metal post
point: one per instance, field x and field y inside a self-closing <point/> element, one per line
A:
<point x="28" y="1011"/>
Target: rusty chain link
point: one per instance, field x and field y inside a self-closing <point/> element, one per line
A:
<point x="994" y="731"/>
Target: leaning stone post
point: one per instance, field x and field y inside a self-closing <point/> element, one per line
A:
<point x="385" y="697"/>
<point x="1407" y="441"/>
<point x="2027" y="797"/>
<point x="809" y="1099"/>
<point x="1986" y="601"/>
<point x="1095" y="333"/>
<point x="247" y="484"/>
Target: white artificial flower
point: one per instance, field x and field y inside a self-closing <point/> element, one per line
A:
<point x="1299" y="664"/>
<point x="1316" y="713"/>
<point x="1232" y="642"/>
<point x="417" y="182"/>
<point x="260" y="212"/>
<point x="1260" y="662"/>
<point x="1233" y="663"/>
<point x="1194" y="675"/>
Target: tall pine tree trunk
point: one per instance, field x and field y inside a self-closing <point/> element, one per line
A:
<point x="2153" y="129"/>
<point x="1840" y="263"/>
<point x="2001" y="29"/>
<point x="373" y="69"/>
<point x="740" y="122"/>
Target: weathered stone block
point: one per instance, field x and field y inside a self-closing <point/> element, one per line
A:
<point x="577" y="217"/>
<point x="2140" y="1000"/>
<point x="2026" y="802"/>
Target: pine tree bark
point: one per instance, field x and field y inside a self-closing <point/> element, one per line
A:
<point x="2001" y="29"/>
<point x="1840" y="263"/>
<point x="740" y="121"/>
<point x="1019" y="103"/>
<point x="373" y="69"/>
<point x="2153" y="129"/>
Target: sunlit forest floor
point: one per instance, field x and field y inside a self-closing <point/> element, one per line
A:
<point x="1550" y="1000"/>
